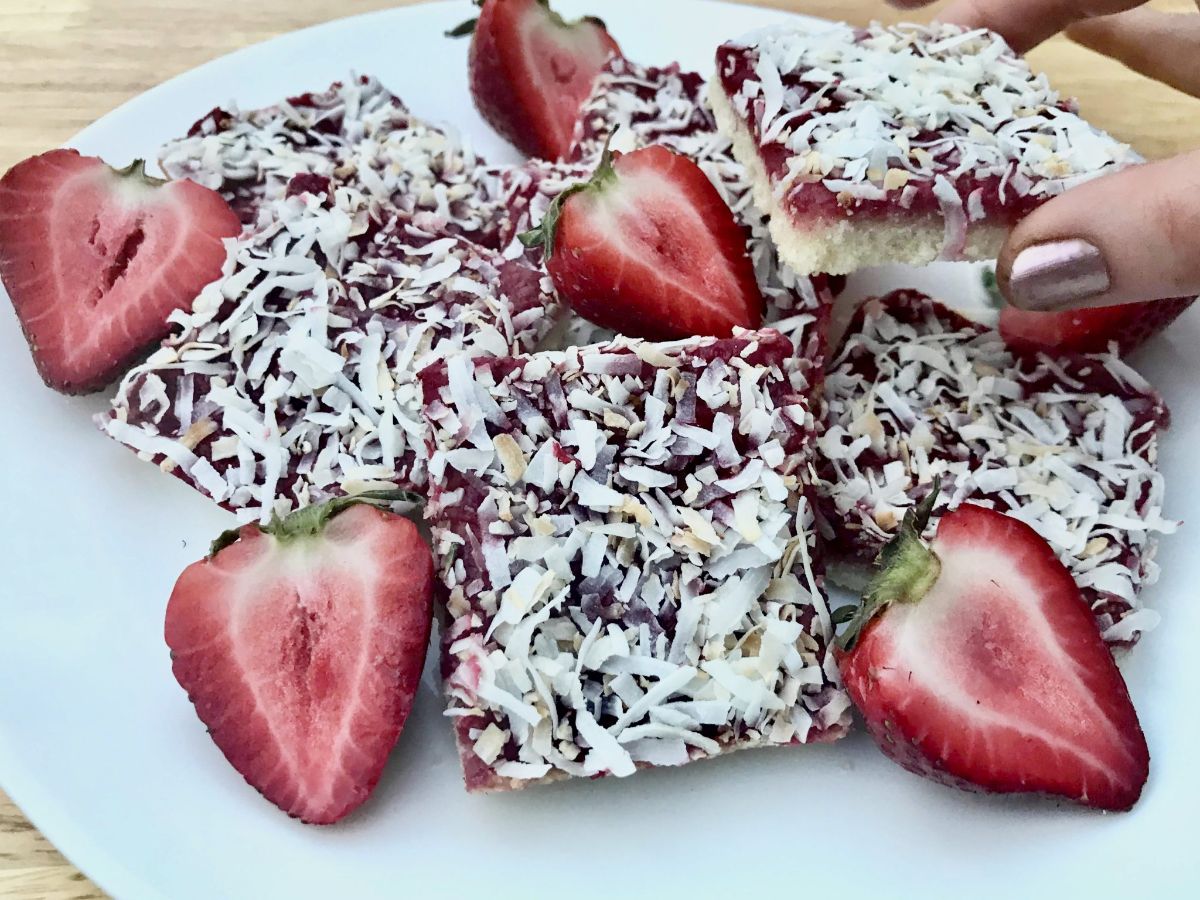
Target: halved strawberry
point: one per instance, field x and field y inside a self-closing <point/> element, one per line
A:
<point x="976" y="663"/>
<point x="531" y="71"/>
<point x="95" y="259"/>
<point x="1089" y="330"/>
<point x="301" y="645"/>
<point x="649" y="249"/>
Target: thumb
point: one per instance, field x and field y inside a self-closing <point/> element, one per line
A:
<point x="1122" y="238"/>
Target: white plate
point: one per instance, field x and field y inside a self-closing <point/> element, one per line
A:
<point x="99" y="746"/>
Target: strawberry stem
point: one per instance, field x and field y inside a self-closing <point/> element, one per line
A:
<point x="463" y="29"/>
<point x="309" y="521"/>
<point x="543" y="235"/>
<point x="907" y="570"/>
<point x="991" y="288"/>
<point x="137" y="169"/>
<point x="467" y="27"/>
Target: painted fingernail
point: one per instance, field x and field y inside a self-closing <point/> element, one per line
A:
<point x="1057" y="275"/>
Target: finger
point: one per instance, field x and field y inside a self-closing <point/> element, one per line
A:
<point x="1162" y="45"/>
<point x="1026" y="23"/>
<point x="1133" y="235"/>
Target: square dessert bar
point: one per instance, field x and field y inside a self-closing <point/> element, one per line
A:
<point x="898" y="144"/>
<point x="355" y="133"/>
<point x="1067" y="445"/>
<point x="627" y="557"/>
<point x="293" y="379"/>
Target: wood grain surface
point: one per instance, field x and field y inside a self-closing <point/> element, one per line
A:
<point x="65" y="63"/>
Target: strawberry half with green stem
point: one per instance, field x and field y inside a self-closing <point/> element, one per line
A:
<point x="95" y="259"/>
<point x="531" y="71"/>
<point x="975" y="662"/>
<point x="650" y="249"/>
<point x="301" y="646"/>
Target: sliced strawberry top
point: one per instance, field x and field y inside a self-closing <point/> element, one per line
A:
<point x="1090" y="330"/>
<point x="531" y="72"/>
<point x="302" y="656"/>
<point x="650" y="249"/>
<point x="997" y="678"/>
<point x="95" y="260"/>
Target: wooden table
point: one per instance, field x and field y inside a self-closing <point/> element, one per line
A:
<point x="65" y="63"/>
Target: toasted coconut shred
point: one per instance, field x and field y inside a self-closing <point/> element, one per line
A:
<point x="1068" y="446"/>
<point x="884" y="113"/>
<point x="628" y="560"/>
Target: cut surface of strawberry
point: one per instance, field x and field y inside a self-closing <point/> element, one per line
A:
<point x="975" y="662"/>
<point x="301" y="646"/>
<point x="531" y="70"/>
<point x="95" y="259"/>
<point x="650" y="249"/>
<point x="1090" y="330"/>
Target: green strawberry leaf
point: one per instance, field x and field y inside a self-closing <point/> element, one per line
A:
<point x="905" y="571"/>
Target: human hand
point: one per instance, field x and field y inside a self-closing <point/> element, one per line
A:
<point x="1130" y="236"/>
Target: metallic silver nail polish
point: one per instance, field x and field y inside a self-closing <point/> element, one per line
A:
<point x="1057" y="275"/>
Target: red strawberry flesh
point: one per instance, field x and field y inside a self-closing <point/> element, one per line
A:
<point x="651" y="250"/>
<point x="531" y="72"/>
<point x="1090" y="330"/>
<point x="95" y="260"/>
<point x="303" y="656"/>
<point x="997" y="679"/>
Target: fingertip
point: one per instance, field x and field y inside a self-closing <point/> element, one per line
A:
<point x="1055" y="275"/>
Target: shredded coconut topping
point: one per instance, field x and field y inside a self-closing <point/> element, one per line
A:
<point x="356" y="134"/>
<point x="293" y="378"/>
<point x="628" y="557"/>
<point x="1068" y="446"/>
<point x="888" y="115"/>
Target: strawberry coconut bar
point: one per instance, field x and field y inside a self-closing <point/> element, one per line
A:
<point x="293" y="379"/>
<point x="356" y="133"/>
<point x="1067" y="445"/>
<point x="629" y="566"/>
<point x="898" y="144"/>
